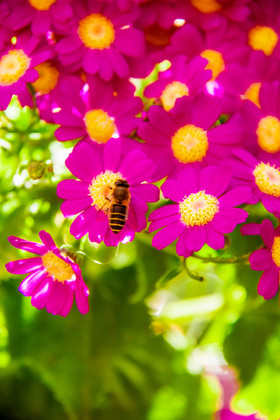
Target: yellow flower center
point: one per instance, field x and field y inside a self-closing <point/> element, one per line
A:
<point x="253" y="93"/>
<point x="13" y="65"/>
<point x="189" y="144"/>
<point x="268" y="133"/>
<point x="215" y="62"/>
<point x="267" y="178"/>
<point x="41" y="4"/>
<point x="198" y="209"/>
<point x="206" y="6"/>
<point x="100" y="127"/>
<point x="56" y="267"/>
<point x="101" y="189"/>
<point x="263" y="38"/>
<point x="275" y="251"/>
<point x="171" y="92"/>
<point x="96" y="31"/>
<point x="47" y="80"/>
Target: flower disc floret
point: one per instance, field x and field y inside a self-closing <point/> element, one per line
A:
<point x="189" y="144"/>
<point x="215" y="62"/>
<point x="198" y="209"/>
<point x="96" y="31"/>
<point x="171" y="92"/>
<point x="263" y="38"/>
<point x="206" y="6"/>
<point x="275" y="251"/>
<point x="99" y="125"/>
<point x="101" y="188"/>
<point x="57" y="268"/>
<point x="267" y="178"/>
<point x="268" y="134"/>
<point x="252" y="93"/>
<point x="41" y="4"/>
<point x="13" y="66"/>
<point x="47" y="80"/>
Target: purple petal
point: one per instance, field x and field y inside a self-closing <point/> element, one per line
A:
<point x="32" y="282"/>
<point x="57" y="297"/>
<point x="69" y="133"/>
<point x="91" y="61"/>
<point x="214" y="239"/>
<point x="260" y="260"/>
<point x="147" y="192"/>
<point x="223" y="224"/>
<point x="206" y="110"/>
<point x="272" y="204"/>
<point x="40" y="23"/>
<point x="68" y="118"/>
<point x="40" y="298"/>
<point x="24" y="266"/>
<point x="140" y="171"/>
<point x="82" y="223"/>
<point x="68" y="302"/>
<point x="235" y="197"/>
<point x="267" y="232"/>
<point x="27" y="245"/>
<point x="167" y="235"/>
<point x="72" y="207"/>
<point x="164" y="211"/>
<point x="196" y="238"/>
<point x="84" y="162"/>
<point x="81" y="296"/>
<point x="181" y="247"/>
<point x="68" y="44"/>
<point x="130" y="42"/>
<point x="157" y="224"/>
<point x="215" y="180"/>
<point x="111" y="154"/>
<point x="70" y="188"/>
<point x="47" y="239"/>
<point x="269" y="282"/>
<point x="251" y="229"/>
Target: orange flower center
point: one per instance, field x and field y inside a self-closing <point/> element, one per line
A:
<point x="171" y="92"/>
<point x="189" y="144"/>
<point x="96" y="32"/>
<point x="47" y="80"/>
<point x="275" y="251"/>
<point x="263" y="38"/>
<point x="253" y="93"/>
<point x="215" y="62"/>
<point x="57" y="268"/>
<point x="206" y="6"/>
<point x="101" y="189"/>
<point x="41" y="4"/>
<point x="268" y="134"/>
<point x="13" y="66"/>
<point x="267" y="178"/>
<point x="198" y="209"/>
<point x="99" y="125"/>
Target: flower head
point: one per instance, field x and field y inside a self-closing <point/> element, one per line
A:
<point x="53" y="278"/>
<point x="203" y="213"/>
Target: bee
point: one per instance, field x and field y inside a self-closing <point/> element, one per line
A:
<point x="119" y="205"/>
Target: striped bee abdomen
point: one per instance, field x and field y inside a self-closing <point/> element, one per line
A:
<point x="117" y="217"/>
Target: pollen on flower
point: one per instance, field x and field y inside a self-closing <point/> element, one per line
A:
<point x="275" y="251"/>
<point x="268" y="134"/>
<point x="252" y="93"/>
<point x="189" y="144"/>
<point x="99" y="125"/>
<point x="215" y="62"/>
<point x="101" y="189"/>
<point x="96" y="31"/>
<point x="267" y="178"/>
<point x="57" y="268"/>
<point x="198" y="209"/>
<point x="41" y="4"/>
<point x="206" y="6"/>
<point x="263" y="38"/>
<point x="13" y="66"/>
<point x="47" y="80"/>
<point x="171" y="92"/>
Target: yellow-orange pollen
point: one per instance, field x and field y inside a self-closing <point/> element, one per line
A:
<point x="57" y="268"/>
<point x="206" y="6"/>
<point x="101" y="189"/>
<point x="275" y="251"/>
<point x="268" y="134"/>
<point x="189" y="144"/>
<point x="252" y="93"/>
<point x="96" y="31"/>
<point x="171" y="92"/>
<point x="41" y="4"/>
<point x="198" y="209"/>
<point x="267" y="178"/>
<point x="263" y="38"/>
<point x="99" y="125"/>
<point x="215" y="62"/>
<point x="13" y="65"/>
<point x="47" y="80"/>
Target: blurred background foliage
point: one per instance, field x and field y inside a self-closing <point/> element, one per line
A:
<point x="158" y="326"/>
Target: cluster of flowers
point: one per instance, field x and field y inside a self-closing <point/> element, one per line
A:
<point x="209" y="125"/>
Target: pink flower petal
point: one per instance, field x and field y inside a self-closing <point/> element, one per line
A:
<point x="27" y="245"/>
<point x="214" y="239"/>
<point x="72" y="189"/>
<point x="164" y="211"/>
<point x="82" y="223"/>
<point x="267" y="232"/>
<point x="147" y="192"/>
<point x="81" y="296"/>
<point x="167" y="235"/>
<point x="130" y="42"/>
<point x="260" y="260"/>
<point x="47" y="239"/>
<point x="235" y="197"/>
<point x="69" y="133"/>
<point x="24" y="266"/>
<point x="32" y="282"/>
<point x="111" y="154"/>
<point x="196" y="238"/>
<point x="72" y="207"/>
<point x="40" y="298"/>
<point x="269" y="282"/>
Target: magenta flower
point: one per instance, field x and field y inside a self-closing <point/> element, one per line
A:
<point x="185" y="134"/>
<point x="203" y="213"/>
<point x="98" y="168"/>
<point x="266" y="259"/>
<point x="17" y="64"/>
<point x="41" y="15"/>
<point x="102" y="111"/>
<point x="101" y="40"/>
<point x="183" y="78"/>
<point x="262" y="177"/>
<point x="53" y="278"/>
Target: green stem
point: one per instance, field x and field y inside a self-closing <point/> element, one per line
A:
<point x="194" y="276"/>
<point x="218" y="260"/>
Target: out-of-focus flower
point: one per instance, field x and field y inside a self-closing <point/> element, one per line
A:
<point x="53" y="278"/>
<point x="17" y="68"/>
<point x="99" y="113"/>
<point x="203" y="212"/>
<point x="266" y="259"/>
<point x="98" y="168"/>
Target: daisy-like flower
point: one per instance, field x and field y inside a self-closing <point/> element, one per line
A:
<point x="203" y="211"/>
<point x="183" y="78"/>
<point x="41" y="15"/>
<point x="53" y="278"/>
<point x="187" y="136"/>
<point x="17" y="64"/>
<point x="99" y="168"/>
<point x="99" y="112"/>
<point x="101" y="40"/>
<point x="262" y="177"/>
<point x="266" y="259"/>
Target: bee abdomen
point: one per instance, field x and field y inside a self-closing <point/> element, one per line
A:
<point x="117" y="217"/>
